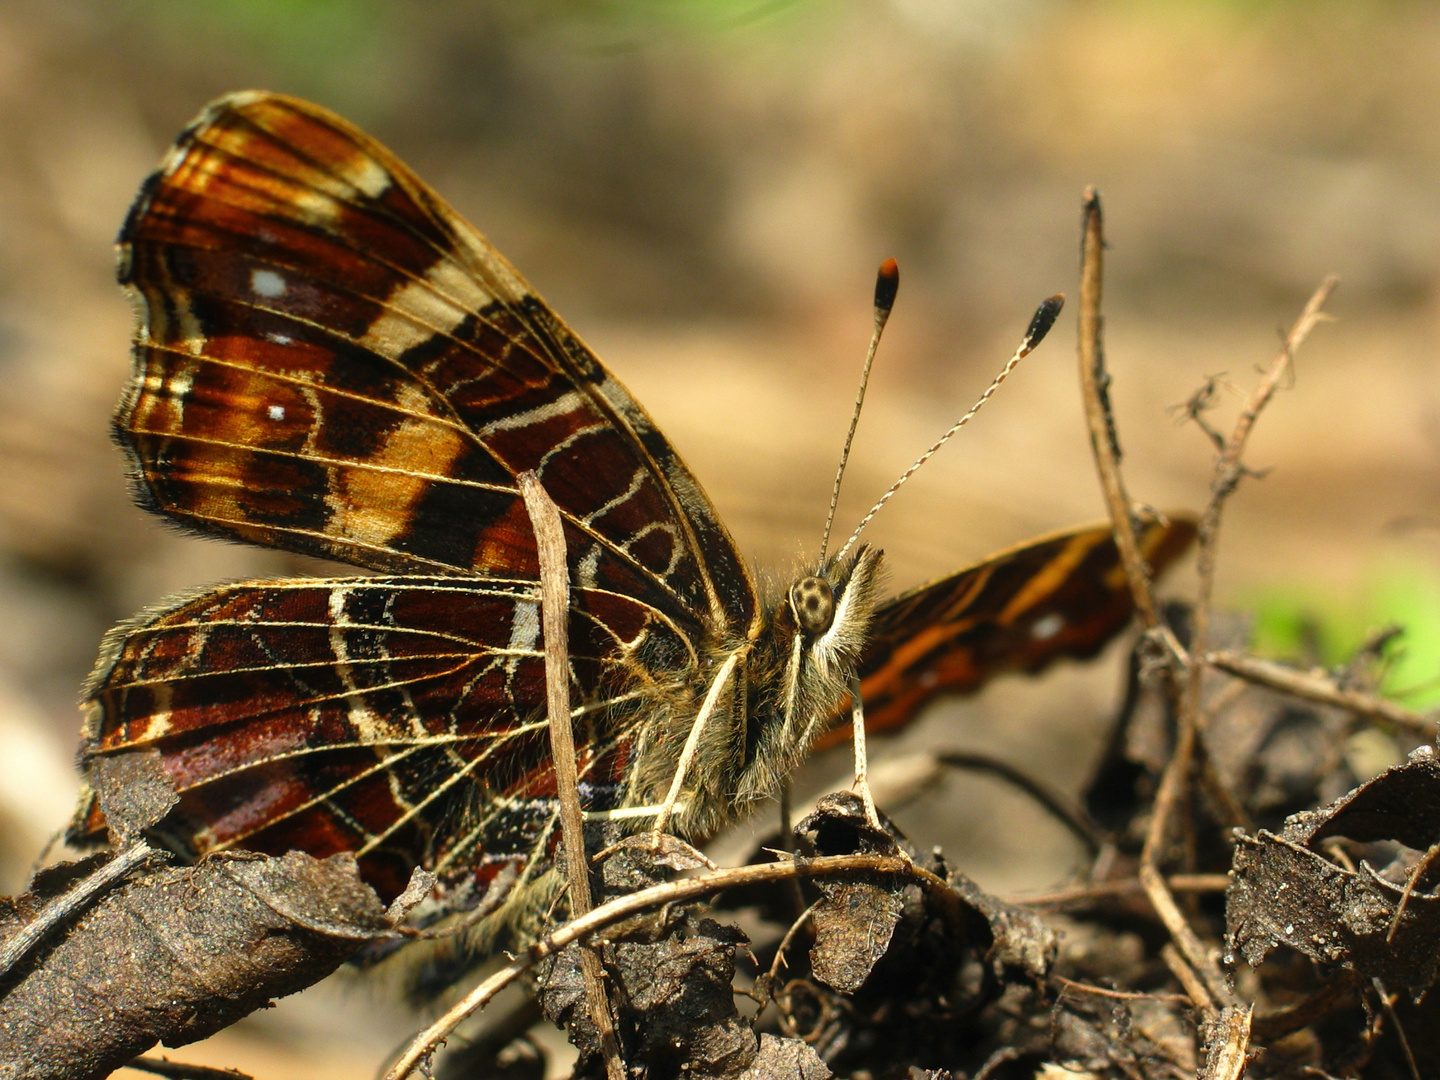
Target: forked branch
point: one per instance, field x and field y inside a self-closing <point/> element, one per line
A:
<point x="1175" y="782"/>
<point x="1210" y="990"/>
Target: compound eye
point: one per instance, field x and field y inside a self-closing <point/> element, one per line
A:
<point x="813" y="604"/>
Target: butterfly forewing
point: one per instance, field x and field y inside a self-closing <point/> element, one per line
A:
<point x="1059" y="596"/>
<point x="332" y="361"/>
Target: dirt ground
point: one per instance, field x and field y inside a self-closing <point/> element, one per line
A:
<point x="705" y="193"/>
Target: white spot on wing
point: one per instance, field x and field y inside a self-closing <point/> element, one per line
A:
<point x="173" y="393"/>
<point x="367" y="174"/>
<point x="586" y="569"/>
<point x="267" y="283"/>
<point x="1047" y="626"/>
<point x="368" y="727"/>
<point x="569" y="402"/>
<point x="277" y="412"/>
<point x="525" y="626"/>
<point x="436" y="304"/>
<point x="159" y="721"/>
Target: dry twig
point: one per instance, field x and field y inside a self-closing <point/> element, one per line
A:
<point x="1194" y="987"/>
<point x="1418" y="871"/>
<point x="1337" y="992"/>
<point x="555" y="620"/>
<point x="1322" y="689"/>
<point x="179" y="1070"/>
<point x="1057" y="805"/>
<point x="1116" y="995"/>
<point x="1387" y="1002"/>
<point x="1175" y="781"/>
<point x="1094" y="385"/>
<point x="1227" y="1044"/>
<point x="1082" y="895"/>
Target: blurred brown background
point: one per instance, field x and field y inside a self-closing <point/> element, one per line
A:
<point x="704" y="188"/>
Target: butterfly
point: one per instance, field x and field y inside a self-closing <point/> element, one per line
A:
<point x="330" y="361"/>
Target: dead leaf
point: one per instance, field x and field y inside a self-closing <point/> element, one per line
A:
<point x="853" y="925"/>
<point x="174" y="954"/>
<point x="786" y="1059"/>
<point x="133" y="790"/>
<point x="1286" y="892"/>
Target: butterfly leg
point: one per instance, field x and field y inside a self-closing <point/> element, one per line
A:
<point x="692" y="741"/>
<point x="862" y="773"/>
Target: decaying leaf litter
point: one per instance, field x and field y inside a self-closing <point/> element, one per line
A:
<point x="1251" y="909"/>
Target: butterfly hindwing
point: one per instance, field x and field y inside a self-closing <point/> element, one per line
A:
<point x="330" y="360"/>
<point x="1063" y="595"/>
<point x="399" y="718"/>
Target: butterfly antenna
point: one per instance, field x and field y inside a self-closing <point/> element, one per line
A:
<point x="1040" y="325"/>
<point x="887" y="284"/>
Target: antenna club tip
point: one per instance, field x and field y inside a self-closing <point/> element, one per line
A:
<point x="887" y="284"/>
<point x="1045" y="316"/>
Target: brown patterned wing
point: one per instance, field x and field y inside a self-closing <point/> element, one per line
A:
<point x="1063" y="595"/>
<point x="330" y="360"/>
<point x="398" y="718"/>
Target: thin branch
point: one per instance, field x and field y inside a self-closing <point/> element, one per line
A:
<point x="1195" y="987"/>
<point x="995" y="1061"/>
<point x="1060" y="808"/>
<point x="1198" y="958"/>
<point x="1094" y="383"/>
<point x="1081" y="895"/>
<point x="1228" y="472"/>
<point x="1333" y="995"/>
<point x="1322" y="690"/>
<point x="670" y="892"/>
<point x="862" y="759"/>
<point x="1118" y="995"/>
<point x="1173" y="783"/>
<point x="555" y="619"/>
<point x="179" y="1070"/>
<point x="784" y="945"/>
<point x="1388" y="1004"/>
<point x="1418" y="871"/>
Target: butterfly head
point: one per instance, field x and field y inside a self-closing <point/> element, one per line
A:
<point x="804" y="663"/>
<point x="812" y="604"/>
<point x="826" y="618"/>
<point x="831" y="607"/>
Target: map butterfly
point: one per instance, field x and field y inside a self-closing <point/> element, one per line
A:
<point x="330" y="361"/>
